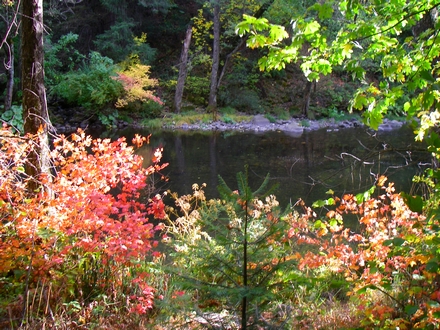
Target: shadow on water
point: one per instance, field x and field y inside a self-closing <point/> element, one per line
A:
<point x="346" y="161"/>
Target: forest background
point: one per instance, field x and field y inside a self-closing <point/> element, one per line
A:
<point x="88" y="44"/>
<point x="86" y="240"/>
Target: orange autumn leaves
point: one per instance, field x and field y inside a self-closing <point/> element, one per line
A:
<point x="93" y="202"/>
<point x="391" y="251"/>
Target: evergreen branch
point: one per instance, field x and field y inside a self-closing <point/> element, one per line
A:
<point x="201" y="282"/>
<point x="262" y="187"/>
<point x="242" y="183"/>
<point x="228" y="266"/>
<point x="223" y="189"/>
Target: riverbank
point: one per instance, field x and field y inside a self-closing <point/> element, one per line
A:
<point x="294" y="126"/>
<point x="255" y="124"/>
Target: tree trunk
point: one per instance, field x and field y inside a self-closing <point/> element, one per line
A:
<point x="215" y="60"/>
<point x="424" y="24"/>
<point x="35" y="114"/>
<point x="182" y="71"/>
<point x="9" y="75"/>
<point x="307" y="94"/>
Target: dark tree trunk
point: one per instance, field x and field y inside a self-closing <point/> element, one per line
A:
<point x="9" y="75"/>
<point x="183" y="70"/>
<point x="215" y="59"/>
<point x="424" y="24"/>
<point x="307" y="94"/>
<point x="35" y="114"/>
<point x="10" y="18"/>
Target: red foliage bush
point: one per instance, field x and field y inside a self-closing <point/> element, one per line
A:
<point x="88" y="226"/>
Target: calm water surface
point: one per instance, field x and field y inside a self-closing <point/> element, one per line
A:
<point x="346" y="161"/>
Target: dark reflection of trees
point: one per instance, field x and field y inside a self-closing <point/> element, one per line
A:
<point x="213" y="159"/>
<point x="370" y="156"/>
<point x="347" y="161"/>
<point x="181" y="172"/>
<point x="180" y="155"/>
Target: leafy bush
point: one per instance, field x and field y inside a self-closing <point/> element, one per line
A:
<point x="392" y="262"/>
<point x="281" y="113"/>
<point x="245" y="100"/>
<point x="305" y="123"/>
<point x="151" y="109"/>
<point x="143" y="110"/>
<point x="79" y="245"/>
<point x="270" y="117"/>
<point x="227" y="119"/>
<point x="196" y="89"/>
<point x="108" y="119"/>
<point x="14" y="117"/>
<point x="330" y="113"/>
<point x="93" y="87"/>
<point x="227" y="110"/>
<point x="137" y="86"/>
<point x="387" y="267"/>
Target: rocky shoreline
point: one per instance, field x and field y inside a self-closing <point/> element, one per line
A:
<point x="257" y="124"/>
<point x="292" y="127"/>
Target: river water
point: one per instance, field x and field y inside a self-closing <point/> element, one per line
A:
<point x="346" y="161"/>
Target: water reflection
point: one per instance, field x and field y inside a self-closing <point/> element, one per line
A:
<point x="346" y="161"/>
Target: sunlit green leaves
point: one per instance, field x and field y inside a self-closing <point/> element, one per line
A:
<point x="311" y="28"/>
<point x="257" y="40"/>
<point x="396" y="241"/>
<point x="360" y="100"/>
<point x="277" y="33"/>
<point x="325" y="10"/>
<point x="378" y="32"/>
<point x="252" y="25"/>
<point x="361" y="197"/>
<point x="321" y="203"/>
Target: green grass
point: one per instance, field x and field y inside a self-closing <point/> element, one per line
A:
<point x="305" y="123"/>
<point x="192" y="117"/>
<point x="281" y="113"/>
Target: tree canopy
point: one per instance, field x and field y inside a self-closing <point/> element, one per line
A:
<point x="400" y="36"/>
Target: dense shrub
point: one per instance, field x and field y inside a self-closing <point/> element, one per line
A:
<point x="93" y="87"/>
<point x="145" y="110"/>
<point x="78" y="247"/>
<point x="245" y="100"/>
<point x="391" y="262"/>
<point x="138" y="86"/>
<point x="197" y="89"/>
